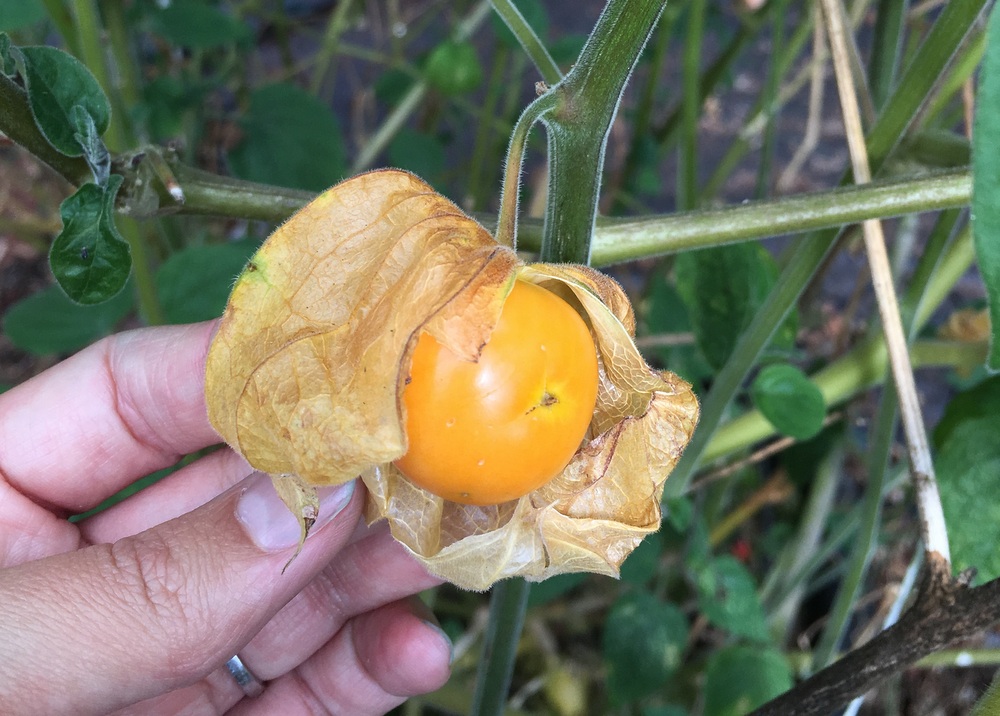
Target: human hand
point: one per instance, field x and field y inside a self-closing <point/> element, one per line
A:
<point x="146" y="601"/>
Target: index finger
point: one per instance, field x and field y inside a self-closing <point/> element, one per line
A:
<point x="126" y="406"/>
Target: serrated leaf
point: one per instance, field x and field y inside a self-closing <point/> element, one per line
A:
<point x="15" y="14"/>
<point x="967" y="461"/>
<point x="986" y="181"/>
<point x="454" y="68"/>
<point x="56" y="83"/>
<point x="533" y="13"/>
<point x="89" y="258"/>
<point x="642" y="644"/>
<point x="48" y="322"/>
<point x="200" y="26"/>
<point x="741" y="678"/>
<point x="723" y="288"/>
<point x="789" y="400"/>
<point x="291" y="139"/>
<point x="193" y="284"/>
<point x="727" y="595"/>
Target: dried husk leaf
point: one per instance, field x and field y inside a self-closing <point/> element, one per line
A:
<point x="305" y="375"/>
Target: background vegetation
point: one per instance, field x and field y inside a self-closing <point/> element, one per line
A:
<point x="730" y="207"/>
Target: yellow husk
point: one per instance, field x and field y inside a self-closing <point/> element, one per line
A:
<point x="305" y="374"/>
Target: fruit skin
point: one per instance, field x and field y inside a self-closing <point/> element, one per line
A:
<point x="488" y="432"/>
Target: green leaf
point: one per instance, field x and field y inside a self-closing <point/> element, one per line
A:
<point x="741" y="678"/>
<point x="8" y="65"/>
<point x="789" y="400"/>
<point x="392" y="85"/>
<point x="723" y="288"/>
<point x="967" y="462"/>
<point x="644" y="562"/>
<point x="986" y="182"/>
<point x="554" y="587"/>
<point x="94" y="151"/>
<point x="642" y="643"/>
<point x="56" y="83"/>
<point x="453" y="67"/>
<point x="194" y="284"/>
<point x="534" y="14"/>
<point x="200" y="26"/>
<point x="15" y="14"/>
<point x="89" y="259"/>
<point x="679" y="513"/>
<point x="663" y="312"/>
<point x="727" y="595"/>
<point x="48" y="322"/>
<point x="418" y="152"/>
<point x="291" y="139"/>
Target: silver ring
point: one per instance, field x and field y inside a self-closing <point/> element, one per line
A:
<point x="245" y="679"/>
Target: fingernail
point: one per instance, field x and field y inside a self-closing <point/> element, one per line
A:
<point x="447" y="639"/>
<point x="269" y="522"/>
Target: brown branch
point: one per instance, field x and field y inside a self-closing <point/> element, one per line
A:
<point x="946" y="611"/>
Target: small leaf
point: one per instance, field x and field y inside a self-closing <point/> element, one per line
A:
<point x="453" y="67"/>
<point x="534" y="14"/>
<point x="642" y="643"/>
<point x="16" y="14"/>
<point x="723" y="288"/>
<point x="986" y="181"/>
<point x="789" y="400"/>
<point x="56" y="83"/>
<point x="728" y="596"/>
<point x="8" y="65"/>
<point x="200" y="26"/>
<point x="967" y="461"/>
<point x="89" y="258"/>
<point x="97" y="155"/>
<point x="49" y="322"/>
<point x="292" y="139"/>
<point x="741" y="678"/>
<point x="193" y="284"/>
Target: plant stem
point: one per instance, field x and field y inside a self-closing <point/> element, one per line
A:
<point x="533" y="46"/>
<point x="687" y="162"/>
<point x="412" y="99"/>
<point x="17" y="122"/>
<point x="933" y="528"/>
<point x="324" y="58"/>
<point x="508" y="605"/>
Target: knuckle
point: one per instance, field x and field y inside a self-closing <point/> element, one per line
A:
<point x="147" y="574"/>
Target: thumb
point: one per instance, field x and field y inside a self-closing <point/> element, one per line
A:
<point x="93" y="630"/>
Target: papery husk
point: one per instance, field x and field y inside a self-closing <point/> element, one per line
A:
<point x="305" y="375"/>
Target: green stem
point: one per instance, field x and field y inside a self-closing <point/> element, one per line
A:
<point x="508" y="605"/>
<point x="887" y="48"/>
<point x="531" y="43"/>
<point x="401" y="113"/>
<point x="506" y="231"/>
<point x="118" y="139"/>
<point x="587" y="101"/>
<point x="619" y="240"/>
<point x="944" y="39"/>
<point x="687" y="162"/>
<point x="17" y="122"/>
<point x="63" y="21"/>
<point x="328" y="50"/>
